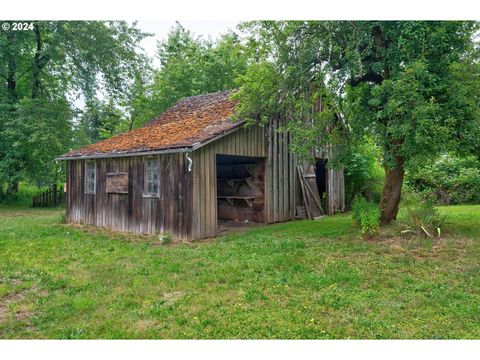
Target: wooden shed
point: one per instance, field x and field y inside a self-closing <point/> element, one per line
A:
<point x="188" y="171"/>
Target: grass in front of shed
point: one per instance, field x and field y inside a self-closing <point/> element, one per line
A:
<point x="303" y="279"/>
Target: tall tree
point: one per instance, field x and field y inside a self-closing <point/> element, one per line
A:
<point x="402" y="82"/>
<point x="45" y="68"/>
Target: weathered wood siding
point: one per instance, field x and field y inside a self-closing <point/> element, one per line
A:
<point x="335" y="190"/>
<point x="280" y="176"/>
<point x="170" y="212"/>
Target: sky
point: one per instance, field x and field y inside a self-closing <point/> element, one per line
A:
<point x="205" y="28"/>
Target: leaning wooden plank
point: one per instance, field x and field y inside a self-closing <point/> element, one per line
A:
<point x="305" y="201"/>
<point x="316" y="202"/>
<point x="314" y="209"/>
<point x="311" y="183"/>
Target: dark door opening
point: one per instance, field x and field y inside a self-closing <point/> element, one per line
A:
<point x="240" y="189"/>
<point x="321" y="175"/>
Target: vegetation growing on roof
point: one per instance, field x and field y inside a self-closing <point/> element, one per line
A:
<point x="192" y="120"/>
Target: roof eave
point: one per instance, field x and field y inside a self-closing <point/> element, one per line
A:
<point x="126" y="154"/>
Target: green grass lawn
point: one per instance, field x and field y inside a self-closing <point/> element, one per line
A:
<point x="303" y="279"/>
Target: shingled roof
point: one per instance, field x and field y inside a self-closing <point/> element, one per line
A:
<point x="185" y="126"/>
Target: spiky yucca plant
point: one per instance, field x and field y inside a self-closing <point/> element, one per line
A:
<point x="424" y="220"/>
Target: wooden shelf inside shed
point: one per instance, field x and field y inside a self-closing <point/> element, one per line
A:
<point x="231" y="181"/>
<point x="248" y="199"/>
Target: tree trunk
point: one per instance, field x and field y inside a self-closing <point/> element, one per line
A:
<point x="391" y="191"/>
<point x="12" y="67"/>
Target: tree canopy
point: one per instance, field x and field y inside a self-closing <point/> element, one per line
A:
<point x="45" y="71"/>
<point x="412" y="85"/>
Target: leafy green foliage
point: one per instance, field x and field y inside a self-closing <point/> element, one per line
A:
<point x="449" y="179"/>
<point x="257" y="93"/>
<point x="36" y="130"/>
<point x="363" y="174"/>
<point x="45" y="71"/>
<point x="423" y="220"/>
<point x="287" y="82"/>
<point x="26" y="191"/>
<point x="367" y="216"/>
<point x="403" y="83"/>
<point x="100" y="120"/>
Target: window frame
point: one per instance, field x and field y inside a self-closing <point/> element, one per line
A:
<point x="87" y="172"/>
<point x="146" y="181"/>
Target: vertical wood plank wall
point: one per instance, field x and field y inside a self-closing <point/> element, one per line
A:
<point x="280" y="176"/>
<point x="335" y="190"/>
<point x="170" y="212"/>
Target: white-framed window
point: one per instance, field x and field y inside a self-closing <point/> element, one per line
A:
<point x="152" y="177"/>
<point x="90" y="177"/>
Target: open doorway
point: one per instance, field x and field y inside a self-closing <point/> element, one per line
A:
<point x="321" y="175"/>
<point x="240" y="189"/>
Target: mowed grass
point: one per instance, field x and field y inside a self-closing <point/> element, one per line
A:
<point x="303" y="279"/>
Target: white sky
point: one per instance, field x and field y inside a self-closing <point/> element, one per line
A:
<point x="205" y="28"/>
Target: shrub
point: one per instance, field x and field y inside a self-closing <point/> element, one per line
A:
<point x="447" y="180"/>
<point x="410" y="198"/>
<point x="24" y="195"/>
<point x="367" y="215"/>
<point x="423" y="220"/>
<point x="363" y="173"/>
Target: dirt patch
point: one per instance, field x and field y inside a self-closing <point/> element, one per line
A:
<point x="130" y="237"/>
<point x="8" y="300"/>
<point x="22" y="310"/>
<point x="144" y="325"/>
<point x="172" y="297"/>
<point x="113" y="234"/>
